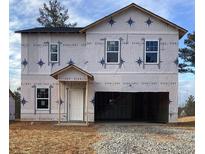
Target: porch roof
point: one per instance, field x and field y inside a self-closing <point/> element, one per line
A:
<point x="70" y="67"/>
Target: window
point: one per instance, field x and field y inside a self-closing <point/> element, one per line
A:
<point x="54" y="53"/>
<point x="42" y="98"/>
<point x="152" y="52"/>
<point x="112" y="52"/>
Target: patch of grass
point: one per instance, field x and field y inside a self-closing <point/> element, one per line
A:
<point x="188" y="122"/>
<point x="187" y="119"/>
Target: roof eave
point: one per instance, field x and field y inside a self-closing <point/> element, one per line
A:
<point x="12" y="93"/>
<point x="182" y="33"/>
<point x="44" y="32"/>
<point x="51" y="30"/>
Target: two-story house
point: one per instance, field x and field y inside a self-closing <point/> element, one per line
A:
<point x="121" y="67"/>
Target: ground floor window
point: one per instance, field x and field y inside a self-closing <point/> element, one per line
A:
<point x="42" y="98"/>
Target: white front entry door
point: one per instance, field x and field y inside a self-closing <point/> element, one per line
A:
<point x="76" y="104"/>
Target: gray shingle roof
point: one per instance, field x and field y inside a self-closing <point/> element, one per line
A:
<point x="51" y="30"/>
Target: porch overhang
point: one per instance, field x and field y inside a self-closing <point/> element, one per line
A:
<point x="72" y="73"/>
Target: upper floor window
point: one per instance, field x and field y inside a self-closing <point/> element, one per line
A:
<point x="54" y="53"/>
<point x="152" y="51"/>
<point x="112" y="52"/>
<point x="42" y="98"/>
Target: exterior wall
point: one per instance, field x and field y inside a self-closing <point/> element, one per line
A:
<point x="11" y="108"/>
<point x="35" y="47"/>
<point x="138" y="82"/>
<point x="86" y="51"/>
<point x="132" y="46"/>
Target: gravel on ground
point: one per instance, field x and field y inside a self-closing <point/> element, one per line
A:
<point x="102" y="138"/>
<point x="144" y="139"/>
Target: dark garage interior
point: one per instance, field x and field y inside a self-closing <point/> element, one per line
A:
<point x="128" y="106"/>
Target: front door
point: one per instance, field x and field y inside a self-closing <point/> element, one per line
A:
<point x="76" y="105"/>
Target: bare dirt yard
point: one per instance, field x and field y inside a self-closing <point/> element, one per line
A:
<point x="48" y="138"/>
<point x="102" y="138"/>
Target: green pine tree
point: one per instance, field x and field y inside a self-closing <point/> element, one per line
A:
<point x="17" y="95"/>
<point x="187" y="55"/>
<point x="190" y="106"/>
<point x="54" y="15"/>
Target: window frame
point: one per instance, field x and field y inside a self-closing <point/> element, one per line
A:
<point x="145" y="52"/>
<point x="106" y="51"/>
<point x="50" y="53"/>
<point x="42" y="109"/>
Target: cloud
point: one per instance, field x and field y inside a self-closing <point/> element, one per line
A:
<point x="14" y="49"/>
<point x="14" y="83"/>
<point x="164" y="8"/>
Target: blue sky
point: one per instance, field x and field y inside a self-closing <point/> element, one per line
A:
<point x="23" y="14"/>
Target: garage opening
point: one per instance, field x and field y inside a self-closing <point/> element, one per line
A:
<point x="139" y="106"/>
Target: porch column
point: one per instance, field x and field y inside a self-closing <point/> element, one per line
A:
<point x="59" y="105"/>
<point x="86" y="101"/>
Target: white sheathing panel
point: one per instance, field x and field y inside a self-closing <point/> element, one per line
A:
<point x="35" y="47"/>
<point x="132" y="49"/>
<point x="72" y="75"/>
<point x="11" y="107"/>
<point x="139" y="25"/>
<point x="24" y="52"/>
<point x="103" y="82"/>
<point x="28" y="93"/>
